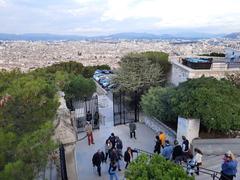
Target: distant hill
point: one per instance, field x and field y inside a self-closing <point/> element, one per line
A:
<point x="39" y="37"/>
<point x="118" y="36"/>
<point x="235" y="35"/>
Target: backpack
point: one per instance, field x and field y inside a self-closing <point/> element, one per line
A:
<point x="119" y="144"/>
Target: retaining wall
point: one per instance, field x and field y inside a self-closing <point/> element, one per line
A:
<point x="158" y="126"/>
<point x="217" y="146"/>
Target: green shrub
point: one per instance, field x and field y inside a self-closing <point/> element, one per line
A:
<point x="156" y="167"/>
<point x="215" y="102"/>
<point x="79" y="88"/>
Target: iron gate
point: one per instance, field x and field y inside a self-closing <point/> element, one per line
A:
<point x="82" y="108"/>
<point x="125" y="107"/>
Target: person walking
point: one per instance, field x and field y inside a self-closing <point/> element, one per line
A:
<point x="88" y="116"/>
<point x="167" y="150"/>
<point x="128" y="155"/>
<point x="112" y="171"/>
<point x="187" y="154"/>
<point x="119" y="145"/>
<point x="112" y="138"/>
<point x="115" y="157"/>
<point x="229" y="167"/>
<point x="96" y="118"/>
<point x="162" y="138"/>
<point x="108" y="147"/>
<point x="157" y="147"/>
<point x="177" y="155"/>
<point x="132" y="128"/>
<point x="88" y="129"/>
<point x="97" y="159"/>
<point x="197" y="159"/>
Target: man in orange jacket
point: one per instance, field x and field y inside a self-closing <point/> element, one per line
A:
<point x="162" y="138"/>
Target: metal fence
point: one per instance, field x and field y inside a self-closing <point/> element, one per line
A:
<point x="81" y="109"/>
<point x="63" y="162"/>
<point x="125" y="107"/>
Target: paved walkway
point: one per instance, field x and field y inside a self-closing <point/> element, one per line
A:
<point x="84" y="153"/>
<point x="145" y="141"/>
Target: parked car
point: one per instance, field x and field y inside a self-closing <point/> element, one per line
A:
<point x="105" y="83"/>
<point x="98" y="71"/>
<point x="98" y="76"/>
<point x="102" y="80"/>
<point x="111" y="87"/>
<point x="107" y="71"/>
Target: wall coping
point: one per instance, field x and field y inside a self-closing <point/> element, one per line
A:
<point x="156" y="121"/>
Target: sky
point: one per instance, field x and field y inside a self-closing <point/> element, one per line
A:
<point x="102" y="17"/>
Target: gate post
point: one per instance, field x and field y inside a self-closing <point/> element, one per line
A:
<point x="135" y="106"/>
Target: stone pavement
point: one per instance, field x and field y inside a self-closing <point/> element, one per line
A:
<point x="83" y="154"/>
<point x="145" y="141"/>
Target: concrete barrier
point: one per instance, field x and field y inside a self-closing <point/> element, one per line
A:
<point x="158" y="126"/>
<point x="217" y="146"/>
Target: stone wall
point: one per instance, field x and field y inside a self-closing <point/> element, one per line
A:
<point x="217" y="146"/>
<point x="158" y="126"/>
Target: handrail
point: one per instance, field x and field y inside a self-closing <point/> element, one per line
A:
<point x="212" y="173"/>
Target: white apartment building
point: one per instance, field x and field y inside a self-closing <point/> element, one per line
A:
<point x="218" y="68"/>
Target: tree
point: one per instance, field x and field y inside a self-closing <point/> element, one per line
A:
<point x="215" y="102"/>
<point x="160" y="58"/>
<point x="156" y="167"/>
<point x="33" y="102"/>
<point x="138" y="72"/>
<point x="79" y="88"/>
<point x="29" y="106"/>
<point x="62" y="79"/>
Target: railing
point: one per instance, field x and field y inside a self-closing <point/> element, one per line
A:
<point x="63" y="162"/>
<point x="214" y="174"/>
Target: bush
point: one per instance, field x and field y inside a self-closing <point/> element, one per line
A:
<point x="157" y="103"/>
<point x="157" y="167"/>
<point x="79" y="88"/>
<point x="215" y="102"/>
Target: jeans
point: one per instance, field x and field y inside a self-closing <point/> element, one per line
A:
<point x="114" y="175"/>
<point x="99" y="170"/>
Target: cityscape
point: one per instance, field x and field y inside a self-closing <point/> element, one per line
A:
<point x="34" y="54"/>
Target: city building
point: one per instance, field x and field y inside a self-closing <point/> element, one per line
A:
<point x="184" y="68"/>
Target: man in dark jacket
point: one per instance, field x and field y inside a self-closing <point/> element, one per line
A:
<point x="112" y="138"/>
<point x="97" y="159"/>
<point x="132" y="128"/>
<point x="187" y="154"/>
<point x="119" y="144"/>
<point x="96" y="118"/>
<point x="157" y="147"/>
<point x="177" y="155"/>
<point x="89" y="116"/>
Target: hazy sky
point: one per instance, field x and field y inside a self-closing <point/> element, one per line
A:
<point x="95" y="17"/>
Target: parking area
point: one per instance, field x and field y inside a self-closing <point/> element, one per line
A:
<point x="105" y="79"/>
